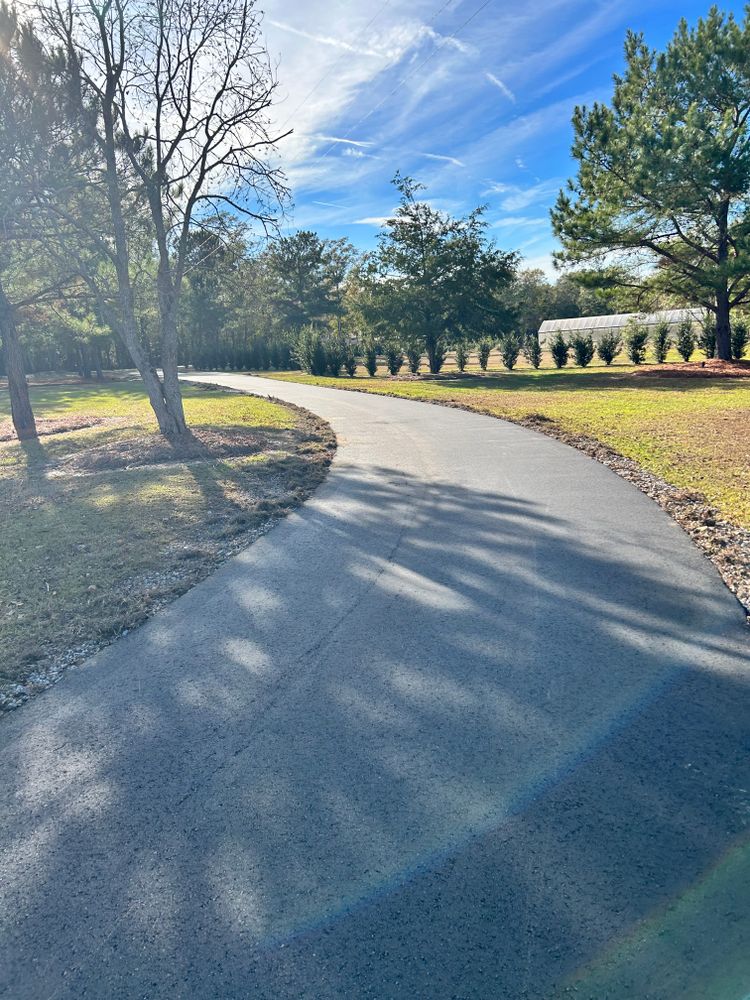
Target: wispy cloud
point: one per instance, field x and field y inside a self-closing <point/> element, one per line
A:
<point x="518" y="198"/>
<point x="521" y="222"/>
<point x="346" y="142"/>
<point x="443" y="159"/>
<point x="358" y="154"/>
<point x="502" y="87"/>
<point x="332" y="41"/>
<point x="372" y="220"/>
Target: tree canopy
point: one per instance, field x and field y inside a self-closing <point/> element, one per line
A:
<point x="437" y="279"/>
<point x="661" y="198"/>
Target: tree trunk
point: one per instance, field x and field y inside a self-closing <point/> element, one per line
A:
<point x="723" y="325"/>
<point x="171" y="421"/>
<point x="20" y="403"/>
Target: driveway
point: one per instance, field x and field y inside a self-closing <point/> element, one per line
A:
<point x="472" y="723"/>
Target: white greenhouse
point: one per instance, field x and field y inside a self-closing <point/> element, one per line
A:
<point x="598" y="325"/>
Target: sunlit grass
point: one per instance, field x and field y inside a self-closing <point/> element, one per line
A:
<point x="84" y="554"/>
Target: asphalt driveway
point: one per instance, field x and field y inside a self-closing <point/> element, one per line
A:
<point x="472" y="723"/>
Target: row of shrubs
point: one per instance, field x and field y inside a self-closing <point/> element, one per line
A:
<point x="636" y="342"/>
<point x="321" y="351"/>
<point x="259" y="356"/>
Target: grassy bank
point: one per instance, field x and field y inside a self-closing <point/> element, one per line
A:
<point x="694" y="433"/>
<point x="103" y="521"/>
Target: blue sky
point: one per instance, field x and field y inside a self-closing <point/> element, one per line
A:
<point x="472" y="98"/>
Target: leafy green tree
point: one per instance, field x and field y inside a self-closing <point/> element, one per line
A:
<point x="462" y="356"/>
<point x="636" y="338"/>
<point x="532" y="349"/>
<point x="510" y="348"/>
<point x="308" y="277"/>
<point x="739" y="339"/>
<point x="310" y="351"/>
<point x="560" y="350"/>
<point x="685" y="342"/>
<point x="484" y="349"/>
<point x="582" y="346"/>
<point x="609" y="346"/>
<point x="661" y="341"/>
<point x="707" y="337"/>
<point x="664" y="171"/>
<point x="413" y="352"/>
<point x="394" y="358"/>
<point x="438" y="279"/>
<point x="370" y="356"/>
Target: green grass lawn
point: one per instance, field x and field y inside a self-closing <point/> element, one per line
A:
<point x="102" y="523"/>
<point x="695" y="433"/>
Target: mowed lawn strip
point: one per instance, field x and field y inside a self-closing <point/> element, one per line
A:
<point x="106" y="522"/>
<point x="694" y="433"/>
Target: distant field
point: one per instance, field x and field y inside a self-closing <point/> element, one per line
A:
<point x="103" y="521"/>
<point x="694" y="433"/>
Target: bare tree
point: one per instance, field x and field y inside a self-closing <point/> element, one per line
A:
<point x="176" y="96"/>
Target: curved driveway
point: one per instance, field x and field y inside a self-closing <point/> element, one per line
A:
<point x="472" y="723"/>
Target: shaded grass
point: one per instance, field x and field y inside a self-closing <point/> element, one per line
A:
<point x="693" y="433"/>
<point x="86" y="554"/>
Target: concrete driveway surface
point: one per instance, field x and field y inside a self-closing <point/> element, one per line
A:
<point x="472" y="723"/>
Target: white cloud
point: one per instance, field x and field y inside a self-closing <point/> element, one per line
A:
<point x="373" y="220"/>
<point x="502" y="87"/>
<point x="336" y="43"/>
<point x="359" y="155"/>
<point x="521" y="222"/>
<point x="336" y="139"/>
<point x="518" y="198"/>
<point x="443" y="159"/>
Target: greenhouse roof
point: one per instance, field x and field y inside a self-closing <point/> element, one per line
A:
<point x="599" y="324"/>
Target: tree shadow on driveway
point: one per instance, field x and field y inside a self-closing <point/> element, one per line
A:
<point x="420" y="741"/>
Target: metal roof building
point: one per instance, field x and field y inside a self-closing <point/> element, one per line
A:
<point x="597" y="325"/>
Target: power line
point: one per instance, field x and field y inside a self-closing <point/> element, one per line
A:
<point x="411" y="73"/>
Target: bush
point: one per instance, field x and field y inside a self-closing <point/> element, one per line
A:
<point x="685" y="342"/>
<point x="394" y="359"/>
<point x="739" y="340"/>
<point x="484" y="349"/>
<point x="310" y="351"/>
<point x="661" y="342"/>
<point x="609" y="346"/>
<point x="560" y="350"/>
<point x="636" y="340"/>
<point x="707" y="337"/>
<point x="510" y="348"/>
<point x="337" y="350"/>
<point x="532" y="349"/>
<point x="350" y="362"/>
<point x="462" y="357"/>
<point x="582" y="346"/>
<point x="414" y="357"/>
<point x="371" y="359"/>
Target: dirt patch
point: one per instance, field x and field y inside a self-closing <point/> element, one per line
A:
<point x="200" y="445"/>
<point x="59" y="425"/>
<point x="711" y="368"/>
